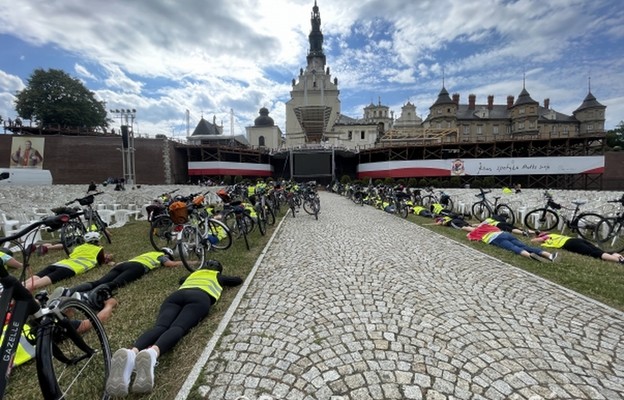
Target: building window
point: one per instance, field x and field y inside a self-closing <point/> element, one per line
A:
<point x="521" y="125"/>
<point x="362" y="135"/>
<point x="479" y="129"/>
<point x="466" y="130"/>
<point x="439" y="125"/>
<point x="590" y="128"/>
<point x="521" y="110"/>
<point x="350" y="135"/>
<point x="261" y="141"/>
<point x="566" y="130"/>
<point x="495" y="129"/>
<point x="448" y="110"/>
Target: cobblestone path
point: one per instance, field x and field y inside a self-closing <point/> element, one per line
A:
<point x="364" y="305"/>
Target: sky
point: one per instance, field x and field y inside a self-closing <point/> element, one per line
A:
<point x="225" y="59"/>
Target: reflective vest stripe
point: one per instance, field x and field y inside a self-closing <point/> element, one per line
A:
<point x="149" y="260"/>
<point x="555" y="241"/>
<point x="25" y="350"/>
<point x="82" y="259"/>
<point x="205" y="280"/>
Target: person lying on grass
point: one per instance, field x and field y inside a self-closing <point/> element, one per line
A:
<point x="505" y="240"/>
<point x="576" y="245"/>
<point x="83" y="258"/>
<point x="182" y="310"/>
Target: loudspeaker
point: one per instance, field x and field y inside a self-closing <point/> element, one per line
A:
<point x="124" y="136"/>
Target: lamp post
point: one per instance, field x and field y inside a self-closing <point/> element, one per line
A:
<point x="126" y="119"/>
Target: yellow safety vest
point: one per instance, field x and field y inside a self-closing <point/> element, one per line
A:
<point x="251" y="210"/>
<point x="418" y="209"/>
<point x="205" y="280"/>
<point x="149" y="260"/>
<point x="251" y="190"/>
<point x="555" y="241"/>
<point x="507" y="190"/>
<point x="491" y="221"/>
<point x="488" y="237"/>
<point x="437" y="208"/>
<point x="25" y="349"/>
<point x="82" y="259"/>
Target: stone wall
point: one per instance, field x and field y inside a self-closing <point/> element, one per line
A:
<point x="81" y="159"/>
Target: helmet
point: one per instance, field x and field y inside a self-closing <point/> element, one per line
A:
<point x="168" y="252"/>
<point x="92" y="237"/>
<point x="213" y="265"/>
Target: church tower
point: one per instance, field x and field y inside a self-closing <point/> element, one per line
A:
<point x="314" y="105"/>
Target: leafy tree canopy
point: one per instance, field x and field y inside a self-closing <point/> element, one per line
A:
<point x="54" y="97"/>
<point x="615" y="137"/>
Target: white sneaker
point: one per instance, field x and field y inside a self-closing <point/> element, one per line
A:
<point x="144" y="379"/>
<point x="122" y="365"/>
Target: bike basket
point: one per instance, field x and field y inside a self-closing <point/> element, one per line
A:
<point x="223" y="195"/>
<point x="178" y="212"/>
<point x="86" y="201"/>
<point x="198" y="200"/>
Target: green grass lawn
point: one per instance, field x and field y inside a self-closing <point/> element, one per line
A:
<point x="140" y="301"/>
<point x="600" y="280"/>
<point x="138" y="307"/>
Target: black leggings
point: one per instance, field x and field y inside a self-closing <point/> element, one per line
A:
<point x="121" y="275"/>
<point x="582" y="246"/>
<point x="181" y="311"/>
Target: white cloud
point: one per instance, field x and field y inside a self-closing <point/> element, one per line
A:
<point x="164" y="57"/>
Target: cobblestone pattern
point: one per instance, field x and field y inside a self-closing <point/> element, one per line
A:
<point x="364" y="305"/>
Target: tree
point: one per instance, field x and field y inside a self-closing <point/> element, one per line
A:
<point x="54" y="97"/>
<point x="615" y="137"/>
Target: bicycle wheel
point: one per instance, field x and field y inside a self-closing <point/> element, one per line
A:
<point x="261" y="219"/>
<point x="72" y="235"/>
<point x="481" y="211"/>
<point x="161" y="233"/>
<point x="270" y="215"/>
<point x="308" y="206"/>
<point x="73" y="365"/>
<point x="586" y="225"/>
<point x="219" y="230"/>
<point x="609" y="235"/>
<point x="503" y="210"/>
<point x="541" y="219"/>
<point x="192" y="248"/>
<point x="427" y="201"/>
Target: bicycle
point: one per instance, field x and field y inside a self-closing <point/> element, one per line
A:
<point x="71" y="347"/>
<point x="311" y="202"/>
<point x="550" y="217"/>
<point x="433" y="198"/>
<point x="73" y="232"/>
<point x="609" y="232"/>
<point x="485" y="208"/>
<point x="238" y="221"/>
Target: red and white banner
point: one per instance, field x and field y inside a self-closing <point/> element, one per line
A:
<point x="213" y="168"/>
<point x="483" y="167"/>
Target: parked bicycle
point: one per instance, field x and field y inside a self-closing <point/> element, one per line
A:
<point x="485" y="208"/>
<point x="434" y="197"/>
<point x="551" y="217"/>
<point x="311" y="201"/>
<point x="81" y="222"/>
<point x="71" y="348"/>
<point x="609" y="232"/>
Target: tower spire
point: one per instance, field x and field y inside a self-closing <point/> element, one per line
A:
<point x="316" y="56"/>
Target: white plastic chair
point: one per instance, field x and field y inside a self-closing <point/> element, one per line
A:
<point x="121" y="218"/>
<point x="9" y="226"/>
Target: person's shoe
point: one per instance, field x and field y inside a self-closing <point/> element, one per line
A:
<point x="144" y="379"/>
<point x="537" y="232"/>
<point x="621" y="260"/>
<point x="553" y="257"/>
<point x="525" y="232"/>
<point x="122" y="365"/>
<point x="536" y="257"/>
<point x="58" y="293"/>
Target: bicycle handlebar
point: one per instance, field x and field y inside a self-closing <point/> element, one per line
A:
<point x="81" y="199"/>
<point x="47" y="221"/>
